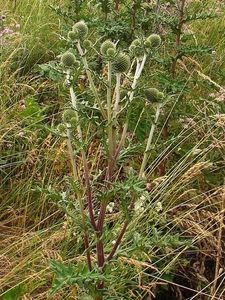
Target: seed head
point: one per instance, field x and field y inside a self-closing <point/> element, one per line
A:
<point x="121" y="63"/>
<point x="106" y="45"/>
<point x="81" y="29"/>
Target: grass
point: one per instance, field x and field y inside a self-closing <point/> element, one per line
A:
<point x="32" y="156"/>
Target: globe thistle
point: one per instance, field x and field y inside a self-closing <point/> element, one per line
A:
<point x="121" y="63"/>
<point x="68" y="115"/>
<point x="111" y="52"/>
<point x="68" y="59"/>
<point x="87" y="44"/>
<point x="106" y="45"/>
<point x="152" y="95"/>
<point x="136" y="48"/>
<point x="147" y="44"/>
<point x="161" y="95"/>
<point x="72" y="36"/>
<point x="154" y="40"/>
<point x="61" y="128"/>
<point x="81" y="29"/>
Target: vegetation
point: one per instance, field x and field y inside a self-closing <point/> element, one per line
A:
<point x="112" y="149"/>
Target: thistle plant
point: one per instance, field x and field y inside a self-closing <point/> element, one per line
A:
<point x="106" y="113"/>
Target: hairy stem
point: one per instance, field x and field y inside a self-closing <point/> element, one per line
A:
<point x="117" y="92"/>
<point x="138" y="71"/>
<point x="90" y="79"/>
<point x="85" y="237"/>
<point x="84" y="161"/>
<point x="149" y="143"/>
<point x="109" y="113"/>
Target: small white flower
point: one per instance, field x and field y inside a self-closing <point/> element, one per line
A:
<point x="158" y="206"/>
<point x="110" y="207"/>
<point x="139" y="207"/>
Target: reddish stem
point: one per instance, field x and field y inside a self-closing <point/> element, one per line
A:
<point x="89" y="193"/>
<point x="118" y="241"/>
<point x="86" y="245"/>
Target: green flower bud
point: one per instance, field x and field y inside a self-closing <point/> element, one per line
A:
<point x="73" y="121"/>
<point x="155" y="40"/>
<point x="152" y="95"/>
<point x="137" y="48"/>
<point x="121" y="63"/>
<point x="136" y="43"/>
<point x="61" y="128"/>
<point x="147" y="44"/>
<point x="111" y="52"/>
<point x="87" y="44"/>
<point x="68" y="59"/>
<point x="161" y="95"/>
<point x="81" y="29"/>
<point x="72" y="36"/>
<point x="68" y="115"/>
<point x="106" y="46"/>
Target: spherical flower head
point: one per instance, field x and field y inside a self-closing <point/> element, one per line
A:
<point x="161" y="96"/>
<point x="105" y="46"/>
<point x="87" y="44"/>
<point x="61" y="129"/>
<point x="154" y="40"/>
<point x="147" y="44"/>
<point x="111" y="52"/>
<point x="72" y="36"/>
<point x="81" y="29"/>
<point x="121" y="63"/>
<point x="152" y="95"/>
<point x="68" y="60"/>
<point x="68" y="115"/>
<point x="136" y="48"/>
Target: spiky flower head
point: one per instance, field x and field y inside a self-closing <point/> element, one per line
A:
<point x="147" y="43"/>
<point x="153" y="95"/>
<point x="68" y="59"/>
<point x="161" y="95"/>
<point x="87" y="44"/>
<point x="136" y="48"/>
<point x="61" y="129"/>
<point x="154" y="40"/>
<point x="72" y="35"/>
<point x="81" y="29"/>
<point x="68" y="115"/>
<point x="106" y="45"/>
<point x="121" y="63"/>
<point x="111" y="52"/>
